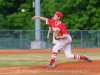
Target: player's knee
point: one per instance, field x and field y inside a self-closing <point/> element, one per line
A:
<point x="55" y="49"/>
<point x="69" y="56"/>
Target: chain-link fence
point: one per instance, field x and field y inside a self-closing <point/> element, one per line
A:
<point x="21" y="39"/>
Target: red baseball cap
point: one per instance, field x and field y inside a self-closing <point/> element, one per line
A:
<point x="59" y="14"/>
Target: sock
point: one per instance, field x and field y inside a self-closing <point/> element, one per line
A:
<point x="78" y="57"/>
<point x="53" y="57"/>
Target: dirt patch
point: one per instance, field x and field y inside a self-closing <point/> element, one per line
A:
<point x="81" y="67"/>
<point x="46" y="51"/>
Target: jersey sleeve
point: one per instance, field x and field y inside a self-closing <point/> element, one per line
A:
<point x="49" y="22"/>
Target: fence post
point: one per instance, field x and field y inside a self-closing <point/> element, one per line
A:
<point x="20" y="39"/>
<point x="98" y="38"/>
<point x="81" y="39"/>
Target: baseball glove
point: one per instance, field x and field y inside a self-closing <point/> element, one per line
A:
<point x="57" y="33"/>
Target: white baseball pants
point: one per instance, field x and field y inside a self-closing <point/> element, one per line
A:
<point x="64" y="44"/>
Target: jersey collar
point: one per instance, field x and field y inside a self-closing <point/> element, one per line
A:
<point x="57" y="23"/>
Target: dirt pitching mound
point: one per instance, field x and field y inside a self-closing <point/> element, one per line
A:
<point x="82" y="67"/>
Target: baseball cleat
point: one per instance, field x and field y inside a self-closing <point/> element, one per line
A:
<point x="59" y="51"/>
<point x="49" y="65"/>
<point x="87" y="59"/>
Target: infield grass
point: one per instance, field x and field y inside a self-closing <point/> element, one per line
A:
<point x="10" y="60"/>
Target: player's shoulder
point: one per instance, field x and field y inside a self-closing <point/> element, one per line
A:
<point x="62" y="24"/>
<point x="51" y="21"/>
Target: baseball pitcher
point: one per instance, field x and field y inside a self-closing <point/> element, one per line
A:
<point x="65" y="39"/>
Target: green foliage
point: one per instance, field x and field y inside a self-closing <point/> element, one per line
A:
<point x="77" y="14"/>
<point x="11" y="16"/>
<point x="20" y="21"/>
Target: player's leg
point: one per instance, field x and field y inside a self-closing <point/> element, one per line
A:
<point x="67" y="51"/>
<point x="55" y="49"/>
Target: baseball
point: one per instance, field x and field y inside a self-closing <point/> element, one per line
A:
<point x="23" y="10"/>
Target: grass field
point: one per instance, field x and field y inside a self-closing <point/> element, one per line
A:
<point x="9" y="60"/>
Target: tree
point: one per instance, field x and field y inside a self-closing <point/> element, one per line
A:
<point x="77" y="14"/>
<point x="15" y="19"/>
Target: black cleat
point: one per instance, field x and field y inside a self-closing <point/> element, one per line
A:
<point x="49" y="65"/>
<point x="87" y="59"/>
<point x="59" y="51"/>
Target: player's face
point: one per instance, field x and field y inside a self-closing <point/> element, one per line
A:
<point x="56" y="17"/>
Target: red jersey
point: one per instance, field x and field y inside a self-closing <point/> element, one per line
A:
<point x="59" y="26"/>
